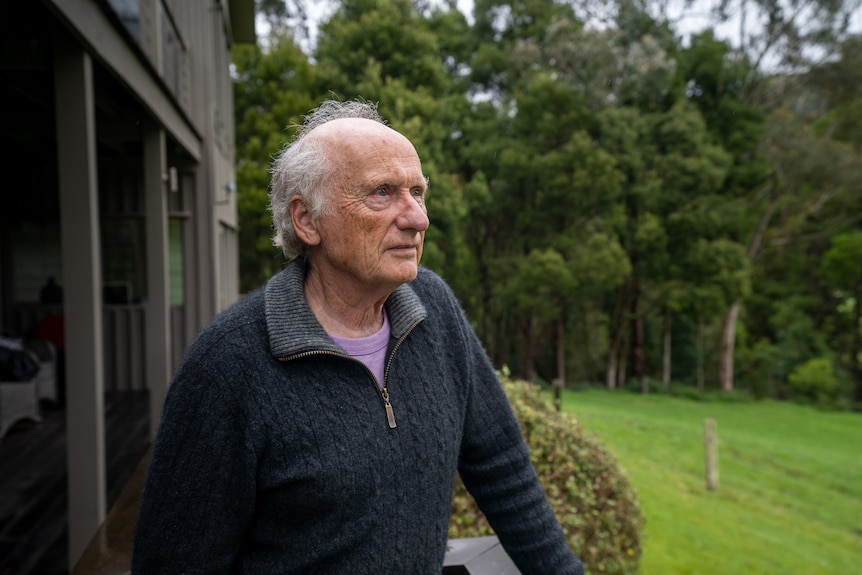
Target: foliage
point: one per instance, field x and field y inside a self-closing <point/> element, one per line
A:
<point x="272" y="89"/>
<point x="609" y="202"/>
<point x="841" y="265"/>
<point x="400" y="47"/>
<point x="814" y="380"/>
<point x="797" y="34"/>
<point x="589" y="491"/>
<point x="841" y="262"/>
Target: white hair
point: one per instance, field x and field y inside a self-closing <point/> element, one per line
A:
<point x="303" y="168"/>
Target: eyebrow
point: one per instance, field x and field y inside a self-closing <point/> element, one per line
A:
<point x="389" y="184"/>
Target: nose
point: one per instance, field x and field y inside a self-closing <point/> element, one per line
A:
<point x="412" y="214"/>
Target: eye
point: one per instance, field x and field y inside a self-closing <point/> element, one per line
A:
<point x="382" y="191"/>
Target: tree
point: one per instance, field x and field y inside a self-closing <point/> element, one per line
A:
<point x="398" y="67"/>
<point x="540" y="286"/>
<point x="384" y="39"/>
<point x="810" y="173"/>
<point x="592" y="186"/>
<point x="272" y="89"/>
<point x="548" y="190"/>
<point x="787" y="36"/>
<point x="841" y="265"/>
<point x="777" y="44"/>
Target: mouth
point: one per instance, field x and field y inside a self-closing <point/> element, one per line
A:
<point x="404" y="250"/>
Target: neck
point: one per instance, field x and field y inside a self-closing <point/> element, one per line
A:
<point x="343" y="313"/>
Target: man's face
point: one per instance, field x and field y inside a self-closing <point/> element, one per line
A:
<point x="373" y="238"/>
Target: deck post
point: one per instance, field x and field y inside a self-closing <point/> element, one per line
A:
<point x="157" y="323"/>
<point x="82" y="290"/>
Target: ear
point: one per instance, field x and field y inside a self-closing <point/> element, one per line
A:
<point x="303" y="222"/>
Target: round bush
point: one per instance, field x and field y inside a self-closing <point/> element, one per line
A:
<point x="591" y="495"/>
<point x="815" y="380"/>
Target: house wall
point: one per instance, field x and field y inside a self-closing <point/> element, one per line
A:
<point x="156" y="91"/>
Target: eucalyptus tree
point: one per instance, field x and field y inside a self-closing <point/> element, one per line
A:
<point x="629" y="74"/>
<point x="382" y="39"/>
<point x="714" y="81"/>
<point x="763" y="69"/>
<point x="500" y="27"/>
<point x="814" y="180"/>
<point x="786" y="36"/>
<point x="284" y="17"/>
<point x="841" y="265"/>
<point x="706" y="268"/>
<point x="552" y="78"/>
<point x="273" y="87"/>
<point x="542" y="189"/>
<point x="624" y="134"/>
<point x="531" y="160"/>
<point x="667" y="159"/>
<point x="399" y="67"/>
<point x="561" y="192"/>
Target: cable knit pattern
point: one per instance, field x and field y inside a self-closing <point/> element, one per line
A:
<point x="274" y="454"/>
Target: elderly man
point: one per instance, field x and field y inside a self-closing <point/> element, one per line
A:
<point x="317" y="426"/>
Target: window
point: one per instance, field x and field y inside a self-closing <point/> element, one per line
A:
<point x="129" y="12"/>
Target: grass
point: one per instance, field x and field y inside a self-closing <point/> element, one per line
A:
<point x="790" y="494"/>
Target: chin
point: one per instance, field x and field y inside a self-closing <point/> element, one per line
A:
<point x="405" y="274"/>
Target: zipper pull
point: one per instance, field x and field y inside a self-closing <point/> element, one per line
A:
<point x="390" y="414"/>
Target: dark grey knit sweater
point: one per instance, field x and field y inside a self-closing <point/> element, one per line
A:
<point x="275" y="453"/>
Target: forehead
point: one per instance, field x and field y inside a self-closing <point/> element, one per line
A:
<point x="350" y="129"/>
<point x="362" y="146"/>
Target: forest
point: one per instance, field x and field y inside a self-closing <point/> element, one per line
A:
<point x="616" y="199"/>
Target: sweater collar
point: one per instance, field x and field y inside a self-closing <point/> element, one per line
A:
<point x="292" y="327"/>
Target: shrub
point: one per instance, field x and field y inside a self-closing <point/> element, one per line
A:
<point x="815" y="380"/>
<point x="591" y="495"/>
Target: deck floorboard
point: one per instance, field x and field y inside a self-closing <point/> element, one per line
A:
<point x="34" y="522"/>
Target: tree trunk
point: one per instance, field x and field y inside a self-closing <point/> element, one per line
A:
<point x="728" y="343"/>
<point x="528" y="371"/>
<point x="560" y="381"/>
<point x="700" y="354"/>
<point x="665" y="360"/>
<point x="616" y="329"/>
<point x="621" y="371"/>
<point x="856" y="348"/>
<point x="637" y="336"/>
<point x="728" y="327"/>
<point x="612" y="367"/>
<point x="589" y="345"/>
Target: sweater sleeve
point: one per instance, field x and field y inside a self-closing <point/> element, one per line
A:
<point x="200" y="488"/>
<point x="496" y="469"/>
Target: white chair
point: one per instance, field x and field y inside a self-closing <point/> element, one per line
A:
<point x="18" y="400"/>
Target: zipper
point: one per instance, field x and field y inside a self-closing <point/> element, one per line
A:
<point x="390" y="414"/>
<point x="384" y="391"/>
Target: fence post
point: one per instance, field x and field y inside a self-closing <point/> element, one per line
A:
<point x="711" y="443"/>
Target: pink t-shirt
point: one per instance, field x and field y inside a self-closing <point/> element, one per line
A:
<point x="369" y="350"/>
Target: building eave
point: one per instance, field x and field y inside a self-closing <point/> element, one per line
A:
<point x="242" y="21"/>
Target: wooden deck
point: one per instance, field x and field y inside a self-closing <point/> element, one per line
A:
<point x="33" y="496"/>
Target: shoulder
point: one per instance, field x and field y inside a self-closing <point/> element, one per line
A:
<point x="436" y="295"/>
<point x="430" y="283"/>
<point x="222" y="359"/>
<point x="246" y="310"/>
<point x="232" y="328"/>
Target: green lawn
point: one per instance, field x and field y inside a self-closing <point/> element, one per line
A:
<point x="790" y="494"/>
